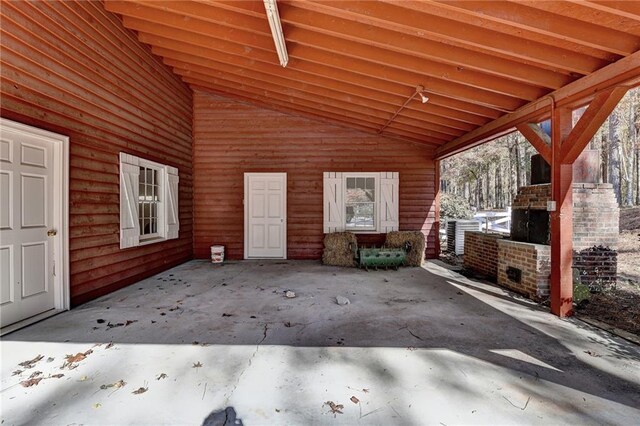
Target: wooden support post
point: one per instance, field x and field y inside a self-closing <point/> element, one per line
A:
<point x="562" y="218"/>
<point x="567" y="142"/>
<point x="436" y="204"/>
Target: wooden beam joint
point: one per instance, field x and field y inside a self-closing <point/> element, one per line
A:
<point x="597" y="112"/>
<point x="537" y="138"/>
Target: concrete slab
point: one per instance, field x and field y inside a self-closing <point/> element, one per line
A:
<point x="416" y="346"/>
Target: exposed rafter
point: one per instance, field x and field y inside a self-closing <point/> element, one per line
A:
<point x="353" y="62"/>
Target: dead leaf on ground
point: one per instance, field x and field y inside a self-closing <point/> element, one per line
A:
<point x="31" y="363"/>
<point x="355" y="400"/>
<point x="161" y="376"/>
<point x="50" y="359"/>
<point x="72" y="360"/>
<point x="31" y="382"/>
<point x="365" y="390"/>
<point x="97" y="405"/>
<point x="35" y="374"/>
<point x="119" y="384"/>
<point x="335" y="408"/>
<point x="83" y="378"/>
<point x="129" y="322"/>
<point x="593" y="354"/>
<point x="287" y="324"/>
<point x="110" y="345"/>
<point x="57" y="376"/>
<point x="140" y="390"/>
<point x="197" y="365"/>
<point x="15" y="373"/>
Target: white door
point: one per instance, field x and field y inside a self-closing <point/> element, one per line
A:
<point x="30" y="223"/>
<point x="265" y="207"/>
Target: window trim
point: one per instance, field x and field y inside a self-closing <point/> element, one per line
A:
<point x="161" y="231"/>
<point x="168" y="226"/>
<point x="376" y="204"/>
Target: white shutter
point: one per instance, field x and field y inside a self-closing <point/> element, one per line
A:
<point x="334" y="220"/>
<point x="389" y="201"/>
<point x="129" y="187"/>
<point x="171" y="197"/>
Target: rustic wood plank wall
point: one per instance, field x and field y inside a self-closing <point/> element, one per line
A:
<point x="72" y="68"/>
<point x="231" y="138"/>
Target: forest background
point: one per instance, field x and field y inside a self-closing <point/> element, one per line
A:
<point x="487" y="177"/>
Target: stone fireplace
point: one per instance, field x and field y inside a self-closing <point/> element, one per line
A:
<point x="523" y="261"/>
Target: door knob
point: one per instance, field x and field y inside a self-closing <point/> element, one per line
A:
<point x="52" y="233"/>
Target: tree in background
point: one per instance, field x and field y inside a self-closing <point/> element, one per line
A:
<point x="489" y="176"/>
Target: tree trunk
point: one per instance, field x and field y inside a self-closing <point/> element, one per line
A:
<point x="499" y="194"/>
<point x="614" y="153"/>
<point x="516" y="154"/>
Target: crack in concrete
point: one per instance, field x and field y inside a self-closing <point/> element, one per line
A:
<point x="235" y="386"/>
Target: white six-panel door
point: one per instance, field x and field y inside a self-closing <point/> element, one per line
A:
<point x="265" y="202"/>
<point x="30" y="224"/>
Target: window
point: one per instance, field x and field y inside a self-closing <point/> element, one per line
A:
<point x="361" y="202"/>
<point x="148" y="201"/>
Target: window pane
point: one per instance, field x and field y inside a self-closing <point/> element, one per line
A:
<point x="360" y="215"/>
<point x="154" y="226"/>
<point x="149" y="178"/>
<point x="358" y="195"/>
<point x="351" y="183"/>
<point x="145" y="227"/>
<point x="370" y="183"/>
<point x="154" y="210"/>
<point x="360" y="183"/>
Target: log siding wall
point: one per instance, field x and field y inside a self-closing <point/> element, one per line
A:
<point x="72" y="68"/>
<point x="231" y="138"/>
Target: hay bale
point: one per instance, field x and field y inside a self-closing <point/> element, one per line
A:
<point x="398" y="239"/>
<point x="339" y="248"/>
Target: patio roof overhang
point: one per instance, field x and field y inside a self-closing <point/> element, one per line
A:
<point x="485" y="66"/>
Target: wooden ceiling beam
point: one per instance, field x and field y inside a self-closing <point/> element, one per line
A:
<point x="411" y="117"/>
<point x="439" y="115"/>
<point x="522" y="15"/>
<point x="430" y="22"/>
<point x="232" y="83"/>
<point x="627" y="9"/>
<point x="305" y="14"/>
<point x="430" y="113"/>
<point x="450" y="113"/>
<point x="466" y="111"/>
<point x="588" y="12"/>
<point x="380" y="55"/>
<point x="625" y="72"/>
<point x="298" y="111"/>
<point x="462" y="84"/>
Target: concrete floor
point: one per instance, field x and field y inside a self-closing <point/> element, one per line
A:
<point x="416" y="346"/>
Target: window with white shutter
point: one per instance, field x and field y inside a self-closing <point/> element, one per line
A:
<point x="148" y="201"/>
<point x="361" y="202"/>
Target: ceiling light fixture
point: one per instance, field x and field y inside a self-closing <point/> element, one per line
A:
<point x="419" y="91"/>
<point x="276" y="30"/>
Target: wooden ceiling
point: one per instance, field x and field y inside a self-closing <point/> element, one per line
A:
<point x="356" y="62"/>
